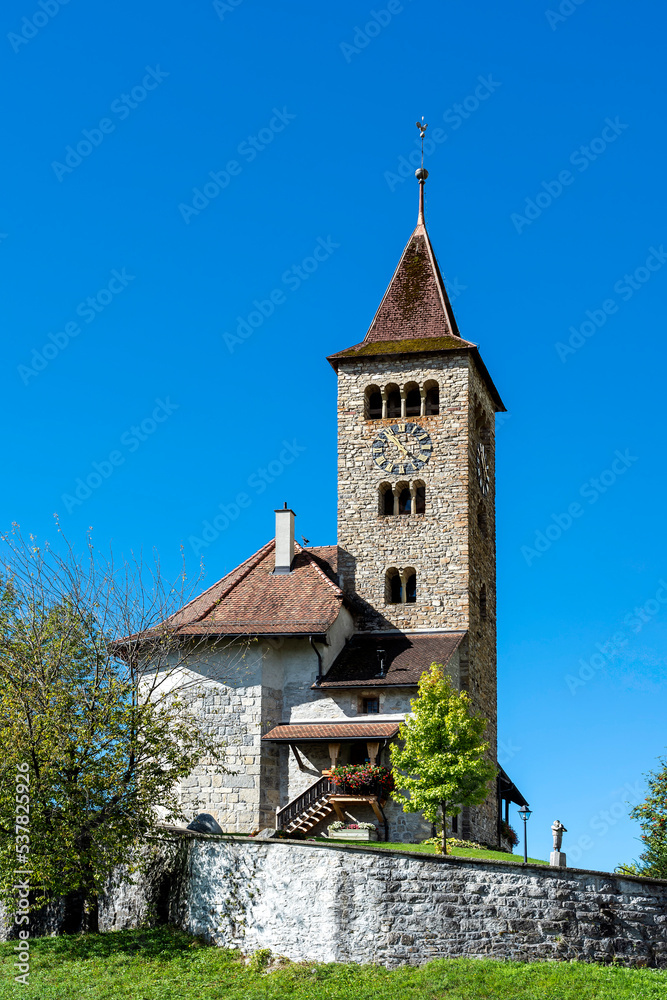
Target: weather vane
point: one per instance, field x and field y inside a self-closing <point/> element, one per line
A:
<point x="422" y="126"/>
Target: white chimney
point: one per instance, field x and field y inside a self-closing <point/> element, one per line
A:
<point x="284" y="540"/>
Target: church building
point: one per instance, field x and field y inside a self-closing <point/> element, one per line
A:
<point x="316" y="652"/>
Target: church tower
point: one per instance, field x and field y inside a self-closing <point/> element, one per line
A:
<point x="416" y="473"/>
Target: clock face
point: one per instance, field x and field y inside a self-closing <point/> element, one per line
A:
<point x="483" y="477"/>
<point x="402" y="448"/>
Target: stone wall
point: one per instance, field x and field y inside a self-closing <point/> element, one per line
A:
<point x="434" y="543"/>
<point x="481" y="683"/>
<point x="453" y="557"/>
<point x="334" y="904"/>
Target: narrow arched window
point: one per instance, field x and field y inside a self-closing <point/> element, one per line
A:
<point x="482" y="520"/>
<point x="387" y="499"/>
<point x="420" y="499"/>
<point x="393" y="586"/>
<point x="482" y="602"/>
<point x="432" y="401"/>
<point x="404" y="501"/>
<point x="373" y="403"/>
<point x="394" y="403"/>
<point x="413" y="403"/>
<point x="411" y="588"/>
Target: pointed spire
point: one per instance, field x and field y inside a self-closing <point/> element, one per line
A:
<point x="415" y="315"/>
<point x="421" y="176"/>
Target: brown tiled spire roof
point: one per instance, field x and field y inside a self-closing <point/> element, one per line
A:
<point x="415" y="315"/>
<point x="415" y="308"/>
<point x="416" y="303"/>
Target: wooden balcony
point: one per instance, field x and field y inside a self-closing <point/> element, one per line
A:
<point x="323" y="798"/>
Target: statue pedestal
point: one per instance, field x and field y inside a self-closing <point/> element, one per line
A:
<point x="558" y="859"/>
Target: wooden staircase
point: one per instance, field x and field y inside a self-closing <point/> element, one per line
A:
<point x="306" y="810"/>
<point x="317" y="802"/>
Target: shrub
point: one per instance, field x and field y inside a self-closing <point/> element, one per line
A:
<point x="260" y="959"/>
<point x="454" y="842"/>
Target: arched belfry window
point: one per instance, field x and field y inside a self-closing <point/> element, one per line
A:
<point x="373" y="403"/>
<point x="393" y="587"/>
<point x="401" y="587"/>
<point x="432" y="401"/>
<point x="420" y="498"/>
<point x="413" y="400"/>
<point x="405" y="501"/>
<point x="482" y="425"/>
<point x="386" y="498"/>
<point x="431" y="393"/>
<point x="393" y="401"/>
<point x="403" y="498"/>
<point x="482" y="520"/>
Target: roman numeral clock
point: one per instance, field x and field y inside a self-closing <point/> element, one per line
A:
<point x="402" y="448"/>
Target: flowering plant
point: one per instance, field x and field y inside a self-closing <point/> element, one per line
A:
<point x="363" y="779"/>
<point x="337" y="826"/>
<point x="509" y="833"/>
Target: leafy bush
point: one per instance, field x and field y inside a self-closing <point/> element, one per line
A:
<point x="469" y="845"/>
<point x="652" y="816"/>
<point x="260" y="959"/>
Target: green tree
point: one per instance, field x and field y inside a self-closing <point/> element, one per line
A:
<point x="652" y="816"/>
<point x="95" y="732"/>
<point x="442" y="761"/>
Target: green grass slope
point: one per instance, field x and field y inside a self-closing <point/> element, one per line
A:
<point x="164" y="964"/>
<point x="426" y="848"/>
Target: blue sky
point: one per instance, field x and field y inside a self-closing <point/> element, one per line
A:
<point x="125" y="294"/>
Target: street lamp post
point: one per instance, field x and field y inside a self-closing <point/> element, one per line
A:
<point x="525" y="814"/>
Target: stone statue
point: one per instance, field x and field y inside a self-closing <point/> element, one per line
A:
<point x="558" y="830"/>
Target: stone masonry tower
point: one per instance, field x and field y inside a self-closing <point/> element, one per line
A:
<point x="416" y="476"/>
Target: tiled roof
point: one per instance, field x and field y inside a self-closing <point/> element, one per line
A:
<point x="416" y="303"/>
<point x="415" y="306"/>
<point x="252" y="600"/>
<point x="333" y="731"/>
<point x="406" y="659"/>
<point x="415" y="315"/>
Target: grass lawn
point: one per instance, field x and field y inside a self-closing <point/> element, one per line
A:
<point x="164" y="964"/>
<point x="458" y="852"/>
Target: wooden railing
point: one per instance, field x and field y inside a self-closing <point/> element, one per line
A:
<point x="323" y="786"/>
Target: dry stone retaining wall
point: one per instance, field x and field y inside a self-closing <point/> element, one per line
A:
<point x="336" y="904"/>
